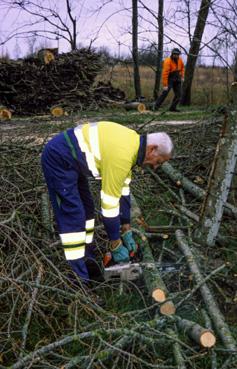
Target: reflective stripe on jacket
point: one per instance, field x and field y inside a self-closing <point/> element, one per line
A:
<point x="170" y="66"/>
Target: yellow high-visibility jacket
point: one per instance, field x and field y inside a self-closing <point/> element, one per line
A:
<point x="111" y="151"/>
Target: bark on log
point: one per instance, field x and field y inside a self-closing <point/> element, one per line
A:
<point x="212" y="307"/>
<point x="135" y="105"/>
<point x="46" y="216"/>
<point x="179" y="359"/>
<point x="153" y="280"/>
<point x="202" y="336"/>
<point x="189" y="186"/>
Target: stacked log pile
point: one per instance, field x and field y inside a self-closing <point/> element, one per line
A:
<point x="32" y="86"/>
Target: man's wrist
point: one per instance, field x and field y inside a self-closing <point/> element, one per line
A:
<point x="114" y="244"/>
<point x="125" y="227"/>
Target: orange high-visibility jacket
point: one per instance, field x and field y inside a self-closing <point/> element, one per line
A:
<point x="170" y="66"/>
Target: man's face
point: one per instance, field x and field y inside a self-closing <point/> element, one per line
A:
<point x="154" y="159"/>
<point x="175" y="56"/>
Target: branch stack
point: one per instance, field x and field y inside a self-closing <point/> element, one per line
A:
<point x="31" y="86"/>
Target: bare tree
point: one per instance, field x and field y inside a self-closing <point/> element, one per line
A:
<point x="137" y="83"/>
<point x="46" y="19"/>
<point x="160" y="47"/>
<point x="194" y="51"/>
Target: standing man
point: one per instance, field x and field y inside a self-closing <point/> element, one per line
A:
<point x="172" y="76"/>
<point x="106" y="151"/>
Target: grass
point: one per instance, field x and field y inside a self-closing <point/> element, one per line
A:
<point x="210" y="85"/>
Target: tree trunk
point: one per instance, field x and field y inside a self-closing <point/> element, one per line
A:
<point x="193" y="51"/>
<point x="220" y="179"/>
<point x="235" y="68"/>
<point x="160" y="48"/>
<point x="74" y="33"/>
<point x="137" y="83"/>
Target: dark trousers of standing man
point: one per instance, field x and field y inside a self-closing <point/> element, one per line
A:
<point x="174" y="83"/>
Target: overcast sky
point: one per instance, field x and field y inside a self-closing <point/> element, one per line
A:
<point x="110" y="26"/>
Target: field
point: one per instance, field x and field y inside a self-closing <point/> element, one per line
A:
<point x="210" y="85"/>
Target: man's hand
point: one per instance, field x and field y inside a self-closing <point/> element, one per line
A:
<point x="119" y="252"/>
<point x="129" y="241"/>
<point x="165" y="88"/>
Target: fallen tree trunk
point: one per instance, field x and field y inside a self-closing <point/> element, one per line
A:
<point x="202" y="336"/>
<point x="212" y="307"/>
<point x="189" y="186"/>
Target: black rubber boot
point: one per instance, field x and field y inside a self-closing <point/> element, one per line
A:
<point x="95" y="270"/>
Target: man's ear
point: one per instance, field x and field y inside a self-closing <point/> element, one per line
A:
<point x="154" y="149"/>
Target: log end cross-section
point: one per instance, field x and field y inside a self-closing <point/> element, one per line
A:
<point x="5" y="114"/>
<point x="158" y="295"/>
<point x="207" y="339"/>
<point x="167" y="308"/>
<point x="57" y="111"/>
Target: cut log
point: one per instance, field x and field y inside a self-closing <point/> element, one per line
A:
<point x="153" y="280"/>
<point x="5" y="114"/>
<point x="57" y="111"/>
<point x="154" y="283"/>
<point x="212" y="307"/>
<point x="202" y="336"/>
<point x="135" y="105"/>
<point x="46" y="55"/>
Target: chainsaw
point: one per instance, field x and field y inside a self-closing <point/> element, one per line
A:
<point x="134" y="268"/>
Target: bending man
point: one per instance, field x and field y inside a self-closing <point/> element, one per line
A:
<point x="106" y="151"/>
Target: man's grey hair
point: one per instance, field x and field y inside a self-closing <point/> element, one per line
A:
<point x="162" y="140"/>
